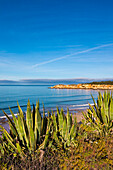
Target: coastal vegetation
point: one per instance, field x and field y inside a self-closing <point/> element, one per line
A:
<point x="102" y="82"/>
<point x="57" y="141"/>
<point x="100" y="115"/>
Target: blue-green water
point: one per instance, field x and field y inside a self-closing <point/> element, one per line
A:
<point x="74" y="99"/>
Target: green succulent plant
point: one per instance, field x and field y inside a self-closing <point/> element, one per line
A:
<point x="101" y="114"/>
<point x="64" y="130"/>
<point x="27" y="134"/>
<point x="35" y="132"/>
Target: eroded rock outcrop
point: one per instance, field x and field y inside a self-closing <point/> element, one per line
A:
<point x="83" y="86"/>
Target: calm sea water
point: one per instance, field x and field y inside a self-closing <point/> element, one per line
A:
<point x="74" y="99"/>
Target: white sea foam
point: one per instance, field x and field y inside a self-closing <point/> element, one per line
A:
<point x="82" y="105"/>
<point x="2" y="117"/>
<point x="77" y="107"/>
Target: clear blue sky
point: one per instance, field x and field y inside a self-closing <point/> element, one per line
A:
<point x="56" y="39"/>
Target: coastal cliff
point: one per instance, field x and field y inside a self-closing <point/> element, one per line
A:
<point x="84" y="86"/>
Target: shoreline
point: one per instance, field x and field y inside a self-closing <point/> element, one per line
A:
<point x="75" y="112"/>
<point x="72" y="107"/>
<point x="84" y="86"/>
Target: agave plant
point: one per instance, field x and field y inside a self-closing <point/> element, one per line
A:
<point x="64" y="130"/>
<point x="36" y="131"/>
<point x="101" y="114"/>
<point x="27" y="134"/>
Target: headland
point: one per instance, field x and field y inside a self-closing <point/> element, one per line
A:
<point x="93" y="86"/>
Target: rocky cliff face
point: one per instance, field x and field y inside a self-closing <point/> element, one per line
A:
<point x="84" y="86"/>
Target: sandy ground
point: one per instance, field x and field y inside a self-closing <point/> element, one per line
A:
<point x="79" y="116"/>
<point x="4" y="124"/>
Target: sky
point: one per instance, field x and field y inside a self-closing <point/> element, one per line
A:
<point x="56" y="39"/>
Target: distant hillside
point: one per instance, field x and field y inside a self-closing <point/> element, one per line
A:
<point x="6" y="82"/>
<point x="56" y="81"/>
<point x="45" y="81"/>
<point x="102" y="82"/>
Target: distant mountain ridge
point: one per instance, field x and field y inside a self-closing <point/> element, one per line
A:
<point x="47" y="81"/>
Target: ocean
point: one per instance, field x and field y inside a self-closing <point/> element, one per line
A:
<point x="75" y="99"/>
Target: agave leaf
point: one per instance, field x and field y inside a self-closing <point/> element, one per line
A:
<point x="20" y="110"/>
<point x="71" y="118"/>
<point x="105" y="105"/>
<point x="100" y="99"/>
<point x="103" y="115"/>
<point x="20" y="150"/>
<point x="38" y="120"/>
<point x="33" y="118"/>
<point x="111" y="109"/>
<point x="43" y="111"/>
<point x="5" y="132"/>
<point x="8" y="138"/>
<point x="11" y="123"/>
<point x="23" y="125"/>
<point x="94" y="114"/>
<point x="32" y="138"/>
<point x="20" y="129"/>
<point x="85" y="115"/>
<point x="95" y="105"/>
<point x="68" y="122"/>
<point x="54" y="122"/>
<point x="75" y="120"/>
<point x="14" y="117"/>
<point x="49" y="121"/>
<point x="58" y="112"/>
<point x="52" y="112"/>
<point x="60" y="120"/>
<point x="28" y="115"/>
<point x="49" y="115"/>
<point x="26" y="132"/>
<point x="64" y="128"/>
<point x="43" y="125"/>
<point x="94" y="119"/>
<point x="15" y="123"/>
<point x="44" y="144"/>
<point x="46" y="139"/>
<point x="56" y="137"/>
<point x="1" y="150"/>
<point x="72" y="133"/>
